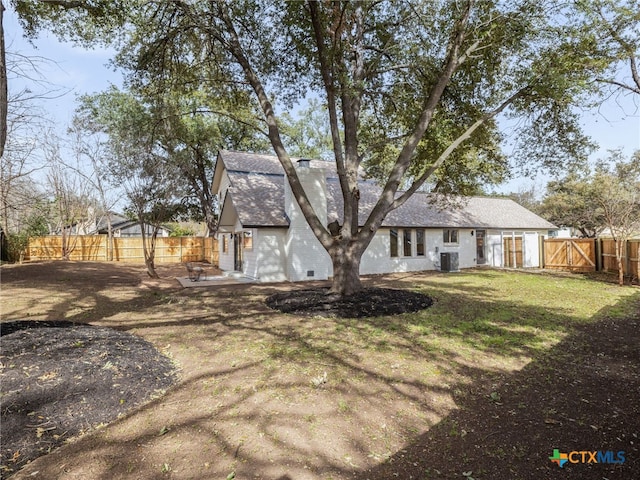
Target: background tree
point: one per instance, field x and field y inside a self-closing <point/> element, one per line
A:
<point x="607" y="198"/>
<point x="412" y="88"/>
<point x="92" y="157"/>
<point x="151" y="198"/>
<point x="307" y="134"/>
<point x="616" y="192"/>
<point x="72" y="203"/>
<point x="569" y="203"/>
<point x="614" y="25"/>
<point x="22" y="122"/>
<point x="85" y="22"/>
<point x="529" y="198"/>
<point x="137" y="162"/>
<point x="4" y="89"/>
<point x="191" y="131"/>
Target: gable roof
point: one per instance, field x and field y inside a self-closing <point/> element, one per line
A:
<point x="257" y="193"/>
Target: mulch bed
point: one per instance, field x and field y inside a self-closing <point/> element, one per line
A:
<point x="369" y="302"/>
<point x="62" y="379"/>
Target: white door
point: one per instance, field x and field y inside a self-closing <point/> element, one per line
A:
<point x="531" y="249"/>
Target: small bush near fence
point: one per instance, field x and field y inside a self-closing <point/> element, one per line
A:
<point x="95" y="248"/>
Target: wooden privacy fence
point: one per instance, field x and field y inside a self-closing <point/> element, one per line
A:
<point x="574" y="254"/>
<point x="589" y="255"/>
<point x="629" y="257"/>
<point x="125" y="249"/>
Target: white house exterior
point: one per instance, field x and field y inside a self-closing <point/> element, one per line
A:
<point x="263" y="234"/>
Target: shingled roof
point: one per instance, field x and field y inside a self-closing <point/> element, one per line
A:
<point x="257" y="193"/>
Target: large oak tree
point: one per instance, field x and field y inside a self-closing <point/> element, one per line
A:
<point x="413" y="87"/>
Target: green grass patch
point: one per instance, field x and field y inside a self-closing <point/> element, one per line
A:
<point x="504" y="313"/>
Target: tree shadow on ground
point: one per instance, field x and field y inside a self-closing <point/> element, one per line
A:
<point x="580" y="396"/>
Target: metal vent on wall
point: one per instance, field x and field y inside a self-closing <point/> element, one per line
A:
<point x="311" y="273"/>
<point x="449" y="262"/>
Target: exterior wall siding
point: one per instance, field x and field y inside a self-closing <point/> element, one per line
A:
<point x="224" y="185"/>
<point x="493" y="248"/>
<point x="531" y="250"/>
<point x="306" y="258"/>
<point x="291" y="254"/>
<point x="226" y="257"/>
<point x="530" y="247"/>
<point x="268" y="263"/>
<point x="377" y="258"/>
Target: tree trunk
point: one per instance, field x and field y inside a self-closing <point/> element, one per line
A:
<point x="109" y="239"/>
<point x="638" y="263"/>
<point x="65" y="243"/>
<point x="4" y="94"/>
<point x="346" y="269"/>
<point x="619" y="251"/>
<point x="149" y="251"/>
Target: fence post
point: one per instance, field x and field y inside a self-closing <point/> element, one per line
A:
<point x="627" y="263"/>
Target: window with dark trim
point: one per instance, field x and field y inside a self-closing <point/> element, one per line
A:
<point x="406" y="242"/>
<point x="450" y="235"/>
<point x="393" y="238"/>
<point x="225" y="244"/>
<point x="420" y="242"/>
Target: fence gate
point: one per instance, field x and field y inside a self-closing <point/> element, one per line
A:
<point x="575" y="254"/>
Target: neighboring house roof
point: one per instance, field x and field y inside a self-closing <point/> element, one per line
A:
<point x="257" y="193"/>
<point x="120" y="222"/>
<point x="606" y="233"/>
<point x="117" y="221"/>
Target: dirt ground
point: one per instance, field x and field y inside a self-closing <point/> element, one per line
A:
<point x="255" y="398"/>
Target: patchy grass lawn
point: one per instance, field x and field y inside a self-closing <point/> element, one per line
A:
<point x="268" y="395"/>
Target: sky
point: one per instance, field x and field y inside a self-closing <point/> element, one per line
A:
<point x="72" y="71"/>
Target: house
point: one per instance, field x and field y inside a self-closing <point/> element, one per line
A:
<point x="122" y="226"/>
<point x="263" y="234"/>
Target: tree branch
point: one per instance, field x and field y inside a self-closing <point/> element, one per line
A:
<point x="620" y="84"/>
<point x="450" y="149"/>
<point x="235" y="48"/>
<point x="403" y="161"/>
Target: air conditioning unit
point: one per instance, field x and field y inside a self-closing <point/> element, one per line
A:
<point x="449" y="262"/>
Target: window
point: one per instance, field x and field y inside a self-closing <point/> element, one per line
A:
<point x="225" y="244"/>
<point x="247" y="240"/>
<point x="393" y="237"/>
<point x="420" y="242"/>
<point x="406" y="242"/>
<point x="450" y="236"/>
